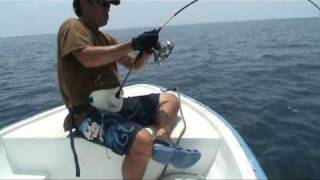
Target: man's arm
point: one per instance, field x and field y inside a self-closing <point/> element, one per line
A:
<point x="129" y="59"/>
<point x="96" y="56"/>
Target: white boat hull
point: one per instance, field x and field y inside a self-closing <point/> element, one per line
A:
<point x="39" y="148"/>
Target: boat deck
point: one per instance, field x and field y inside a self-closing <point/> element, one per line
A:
<point x="38" y="148"/>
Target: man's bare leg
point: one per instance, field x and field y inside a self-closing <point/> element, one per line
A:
<point x="166" y="120"/>
<point x="166" y="117"/>
<point x="135" y="163"/>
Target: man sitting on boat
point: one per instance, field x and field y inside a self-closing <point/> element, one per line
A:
<point x="89" y="80"/>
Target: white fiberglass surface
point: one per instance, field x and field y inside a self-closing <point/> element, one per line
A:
<point x="203" y="131"/>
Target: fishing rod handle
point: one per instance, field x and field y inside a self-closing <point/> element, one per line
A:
<point x="129" y="72"/>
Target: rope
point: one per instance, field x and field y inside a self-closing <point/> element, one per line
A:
<point x="183" y="130"/>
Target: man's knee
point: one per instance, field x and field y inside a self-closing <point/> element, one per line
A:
<point x="170" y="98"/>
<point x="142" y="145"/>
<point x="174" y="100"/>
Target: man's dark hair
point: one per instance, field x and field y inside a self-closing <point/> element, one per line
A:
<point x="77" y="8"/>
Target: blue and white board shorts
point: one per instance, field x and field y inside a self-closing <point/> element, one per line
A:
<point x="118" y="130"/>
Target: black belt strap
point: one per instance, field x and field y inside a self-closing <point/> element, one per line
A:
<point x="72" y="111"/>
<point x="75" y="156"/>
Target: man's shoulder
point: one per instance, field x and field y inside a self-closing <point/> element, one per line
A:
<point x="71" y="22"/>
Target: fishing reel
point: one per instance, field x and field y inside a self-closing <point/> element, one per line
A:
<point x="162" y="52"/>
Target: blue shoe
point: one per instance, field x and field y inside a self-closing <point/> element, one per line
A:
<point x="175" y="155"/>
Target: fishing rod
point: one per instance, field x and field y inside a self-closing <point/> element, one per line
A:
<point x="174" y="15"/>
<point x="314" y="4"/>
<point x="160" y="54"/>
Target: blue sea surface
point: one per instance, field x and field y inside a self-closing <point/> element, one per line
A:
<point x="262" y="76"/>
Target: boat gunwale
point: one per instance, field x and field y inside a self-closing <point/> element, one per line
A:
<point x="251" y="157"/>
<point x="12" y="127"/>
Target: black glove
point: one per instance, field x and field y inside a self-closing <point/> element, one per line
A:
<point x="146" y="41"/>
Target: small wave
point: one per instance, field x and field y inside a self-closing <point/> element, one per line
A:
<point x="285" y="46"/>
<point x="276" y="57"/>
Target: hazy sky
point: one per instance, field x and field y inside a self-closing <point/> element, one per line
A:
<point x="28" y="17"/>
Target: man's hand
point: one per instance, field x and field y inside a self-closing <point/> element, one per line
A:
<point x="146" y="41"/>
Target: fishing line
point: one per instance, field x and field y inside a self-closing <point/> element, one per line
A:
<point x="314" y="4"/>
<point x="158" y="31"/>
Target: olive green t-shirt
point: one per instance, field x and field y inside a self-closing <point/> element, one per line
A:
<point x="75" y="80"/>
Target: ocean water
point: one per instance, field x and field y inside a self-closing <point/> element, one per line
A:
<point x="262" y="76"/>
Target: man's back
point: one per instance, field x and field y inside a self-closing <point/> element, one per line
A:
<point x="77" y="81"/>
